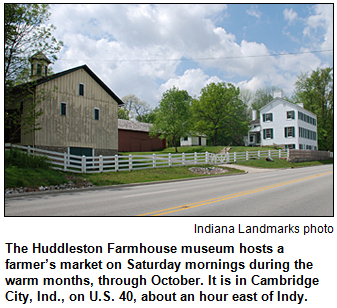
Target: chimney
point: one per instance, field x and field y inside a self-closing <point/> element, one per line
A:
<point x="253" y="115"/>
<point x="278" y="94"/>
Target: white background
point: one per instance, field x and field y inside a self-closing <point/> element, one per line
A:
<point x="320" y="249"/>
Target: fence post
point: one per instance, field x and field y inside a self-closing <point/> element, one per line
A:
<point x="279" y="153"/>
<point x="235" y="157"/>
<point x="288" y="154"/>
<point x="269" y="154"/>
<point x="195" y="158"/>
<point x="130" y="162"/>
<point x="28" y="150"/>
<point x="247" y="155"/>
<point x="100" y="163"/>
<point x="65" y="161"/>
<point x="183" y="158"/>
<point x="259" y="154"/>
<point x="206" y="158"/>
<point x="170" y="159"/>
<point x="116" y="162"/>
<point x="154" y="160"/>
<point x="83" y="164"/>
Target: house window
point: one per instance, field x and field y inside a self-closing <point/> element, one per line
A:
<point x="289" y="132"/>
<point x="268" y="117"/>
<point x="185" y="138"/>
<point x="290" y="146"/>
<point x="290" y="114"/>
<point x="81" y="89"/>
<point x="268" y="133"/>
<point x="63" y="109"/>
<point x="96" y="114"/>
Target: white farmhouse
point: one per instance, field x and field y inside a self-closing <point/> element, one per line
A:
<point x="285" y="124"/>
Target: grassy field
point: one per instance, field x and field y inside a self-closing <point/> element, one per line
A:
<point x="201" y="149"/>
<point x="280" y="163"/>
<point x="19" y="177"/>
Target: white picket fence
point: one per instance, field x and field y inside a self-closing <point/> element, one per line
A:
<point x="98" y="164"/>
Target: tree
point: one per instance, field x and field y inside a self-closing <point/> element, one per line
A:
<point x="123" y="114"/>
<point x="25" y="35"/>
<point x="316" y="94"/>
<point x="172" y="118"/>
<point x="220" y="114"/>
<point x="135" y="108"/>
<point x="263" y="96"/>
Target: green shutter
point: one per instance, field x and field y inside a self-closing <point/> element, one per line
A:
<point x="264" y="119"/>
<point x="272" y="133"/>
<point x="293" y="131"/>
<point x="286" y="132"/>
<point x="271" y="117"/>
<point x="264" y="134"/>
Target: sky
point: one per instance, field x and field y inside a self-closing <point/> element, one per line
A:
<point x="146" y="49"/>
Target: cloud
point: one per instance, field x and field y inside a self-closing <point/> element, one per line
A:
<point x="320" y="25"/>
<point x="254" y="11"/>
<point x="192" y="81"/>
<point x="290" y="15"/>
<point x="146" y="49"/>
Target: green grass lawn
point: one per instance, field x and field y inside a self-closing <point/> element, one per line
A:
<point x="32" y="178"/>
<point x="191" y="149"/>
<point x="280" y="163"/>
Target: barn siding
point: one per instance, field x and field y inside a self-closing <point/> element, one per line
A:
<point x="78" y="128"/>
<point x="135" y="141"/>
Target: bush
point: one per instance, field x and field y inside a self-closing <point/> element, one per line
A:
<point x="20" y="159"/>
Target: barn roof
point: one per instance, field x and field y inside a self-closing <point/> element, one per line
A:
<point x="63" y="73"/>
<point x="134" y="126"/>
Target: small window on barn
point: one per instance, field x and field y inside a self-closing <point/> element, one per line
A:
<point x="81" y="89"/>
<point x="63" y="111"/>
<point x="96" y="114"/>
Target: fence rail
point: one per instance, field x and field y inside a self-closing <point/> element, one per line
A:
<point x="98" y="164"/>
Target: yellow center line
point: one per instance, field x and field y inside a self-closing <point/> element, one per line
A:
<point x="227" y="197"/>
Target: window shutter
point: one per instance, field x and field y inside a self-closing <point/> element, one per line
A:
<point x="293" y="131"/>
<point x="271" y="117"/>
<point x="264" y="134"/>
<point x="264" y="119"/>
<point x="272" y="133"/>
<point x="286" y="132"/>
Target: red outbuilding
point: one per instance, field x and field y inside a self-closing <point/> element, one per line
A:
<point x="134" y="137"/>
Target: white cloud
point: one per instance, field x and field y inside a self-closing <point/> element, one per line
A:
<point x="254" y="11"/>
<point x="138" y="49"/>
<point x="321" y="19"/>
<point x="192" y="81"/>
<point x="290" y="15"/>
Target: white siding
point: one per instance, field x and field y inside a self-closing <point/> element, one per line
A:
<point x="279" y="108"/>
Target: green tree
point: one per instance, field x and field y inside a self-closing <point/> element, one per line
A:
<point x="123" y="114"/>
<point x="220" y="114"/>
<point x="315" y="91"/>
<point x="25" y="35"/>
<point x="172" y="118"/>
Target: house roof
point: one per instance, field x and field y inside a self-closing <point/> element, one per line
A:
<point x="89" y="71"/>
<point x="134" y="126"/>
<point x="287" y="102"/>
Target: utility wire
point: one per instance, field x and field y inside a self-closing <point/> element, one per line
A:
<point x="206" y="59"/>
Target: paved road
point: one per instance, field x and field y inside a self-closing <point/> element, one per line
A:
<point x="290" y="192"/>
